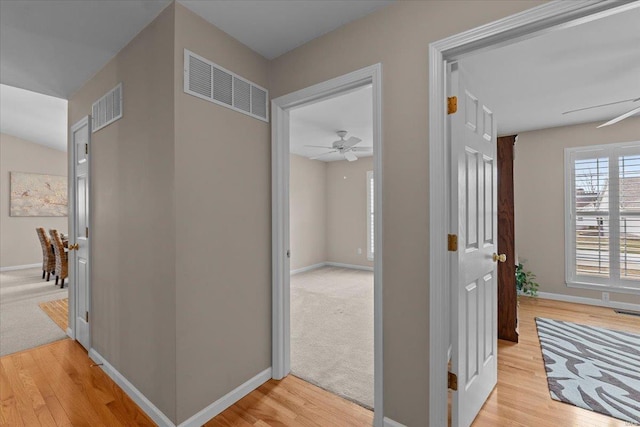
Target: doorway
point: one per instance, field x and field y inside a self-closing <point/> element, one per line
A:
<point x="332" y="246"/>
<point x="546" y="18"/>
<point x="281" y="116"/>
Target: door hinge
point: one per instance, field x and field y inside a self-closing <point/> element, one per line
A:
<point x="452" y="104"/>
<point x="86" y="148"/>
<point x="452" y="242"/>
<point x="86" y="232"/>
<point x="86" y="316"/>
<point x="452" y="381"/>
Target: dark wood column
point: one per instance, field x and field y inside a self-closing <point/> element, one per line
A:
<point x="507" y="296"/>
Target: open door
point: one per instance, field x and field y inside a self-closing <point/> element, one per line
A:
<point x="473" y="257"/>
<point x="79" y="239"/>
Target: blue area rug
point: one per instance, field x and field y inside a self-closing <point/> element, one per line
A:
<point x="592" y="368"/>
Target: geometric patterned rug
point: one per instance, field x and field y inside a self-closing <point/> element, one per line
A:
<point x="592" y="368"/>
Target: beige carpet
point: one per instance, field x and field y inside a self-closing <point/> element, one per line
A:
<point x="23" y="324"/>
<point x="332" y="331"/>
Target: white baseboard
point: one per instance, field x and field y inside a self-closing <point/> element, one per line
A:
<point x="353" y="266"/>
<point x="20" y="267"/>
<point x="390" y="423"/>
<point x="140" y="399"/>
<point x="332" y="264"/>
<point x="589" y="301"/>
<point x="227" y="400"/>
<point x="308" y="268"/>
<point x="196" y="420"/>
<point x="70" y="333"/>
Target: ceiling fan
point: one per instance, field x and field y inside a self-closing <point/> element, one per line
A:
<point x="615" y="119"/>
<point x="343" y="146"/>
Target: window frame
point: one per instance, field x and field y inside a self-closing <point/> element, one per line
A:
<point x="370" y="216"/>
<point x="612" y="152"/>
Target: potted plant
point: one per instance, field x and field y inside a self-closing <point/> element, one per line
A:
<point x="525" y="281"/>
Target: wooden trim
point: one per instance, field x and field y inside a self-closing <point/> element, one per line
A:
<point x="507" y="295"/>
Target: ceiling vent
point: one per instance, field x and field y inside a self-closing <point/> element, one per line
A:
<point x="107" y="109"/>
<point x="206" y="80"/>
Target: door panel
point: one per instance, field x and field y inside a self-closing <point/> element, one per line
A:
<point x="79" y="258"/>
<point x="473" y="270"/>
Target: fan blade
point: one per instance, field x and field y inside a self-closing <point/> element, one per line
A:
<point x="319" y="146"/>
<point x="620" y="118"/>
<point x="602" y="105"/>
<point x="350" y="156"/>
<point x="322" y="155"/>
<point x="351" y="142"/>
<point x="362" y="149"/>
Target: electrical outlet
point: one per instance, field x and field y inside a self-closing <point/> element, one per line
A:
<point x="359" y="251"/>
<point x="605" y="296"/>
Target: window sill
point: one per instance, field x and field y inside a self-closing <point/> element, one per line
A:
<point x="603" y="288"/>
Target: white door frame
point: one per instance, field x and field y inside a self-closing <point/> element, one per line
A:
<point x="552" y="16"/>
<point x="73" y="290"/>
<point x="280" y="108"/>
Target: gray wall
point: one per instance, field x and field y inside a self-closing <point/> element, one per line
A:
<point x="223" y="227"/>
<point x="539" y="199"/>
<point x="398" y="36"/>
<point x="133" y="300"/>
<point x="307" y="211"/>
<point x="19" y="244"/>
<point x="347" y="211"/>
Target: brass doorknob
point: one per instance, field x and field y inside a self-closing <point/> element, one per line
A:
<point x="74" y="247"/>
<point x="501" y="257"/>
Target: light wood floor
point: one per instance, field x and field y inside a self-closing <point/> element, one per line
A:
<point x="521" y="397"/>
<point x="55" y="385"/>
<point x="58" y="311"/>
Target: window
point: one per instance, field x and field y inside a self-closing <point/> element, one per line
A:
<point x="370" y="216"/>
<point x="603" y="216"/>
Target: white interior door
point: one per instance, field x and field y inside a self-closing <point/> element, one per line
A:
<point x="79" y="241"/>
<point x="474" y="272"/>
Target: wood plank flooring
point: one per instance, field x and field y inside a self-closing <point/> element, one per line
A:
<point x="56" y="385"/>
<point x="521" y="397"/>
<point x="58" y="311"/>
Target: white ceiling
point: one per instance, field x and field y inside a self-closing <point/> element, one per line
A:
<point x="33" y="117"/>
<point x="317" y="124"/>
<point x="55" y="46"/>
<point x="530" y="84"/>
<point x="274" y="27"/>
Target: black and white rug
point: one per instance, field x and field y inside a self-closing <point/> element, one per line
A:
<point x="593" y="368"/>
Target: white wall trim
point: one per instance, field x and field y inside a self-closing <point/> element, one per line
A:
<point x="589" y="301"/>
<point x="546" y="18"/>
<point x="136" y="395"/>
<point x="227" y="400"/>
<point x="195" y="420"/>
<point x="280" y="108"/>
<point x="20" y="267"/>
<point x="308" y="268"/>
<point x="70" y="333"/>
<point x="388" y="422"/>
<point x="352" y="266"/>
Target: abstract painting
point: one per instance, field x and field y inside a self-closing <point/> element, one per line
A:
<point x="38" y="195"/>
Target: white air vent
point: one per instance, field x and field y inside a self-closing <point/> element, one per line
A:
<point x="107" y="109"/>
<point x="206" y="80"/>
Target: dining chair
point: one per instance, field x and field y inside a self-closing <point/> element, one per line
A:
<point x="62" y="260"/>
<point x="48" y="257"/>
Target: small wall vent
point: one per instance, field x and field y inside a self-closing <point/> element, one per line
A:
<point x="209" y="81"/>
<point x="107" y="109"/>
